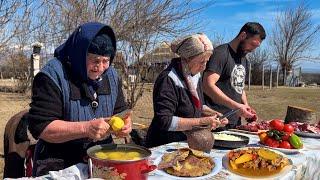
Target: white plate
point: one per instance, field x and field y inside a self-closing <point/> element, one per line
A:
<point x="217" y="168"/>
<point x="284" y="171"/>
<point x="307" y="134"/>
<point x="286" y="151"/>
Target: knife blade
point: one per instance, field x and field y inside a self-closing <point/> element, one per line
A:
<point x="229" y="113"/>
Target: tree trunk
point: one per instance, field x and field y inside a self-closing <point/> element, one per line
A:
<point x="300" y="114"/>
<point x="284" y="76"/>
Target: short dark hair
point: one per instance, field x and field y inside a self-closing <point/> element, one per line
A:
<point x="253" y="28"/>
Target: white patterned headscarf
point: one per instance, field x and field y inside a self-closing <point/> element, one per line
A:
<point x="188" y="47"/>
<point x="191" y="45"/>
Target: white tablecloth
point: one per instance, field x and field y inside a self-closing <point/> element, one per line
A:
<point x="306" y="164"/>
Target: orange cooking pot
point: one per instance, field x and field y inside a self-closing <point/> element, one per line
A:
<point x="120" y="169"/>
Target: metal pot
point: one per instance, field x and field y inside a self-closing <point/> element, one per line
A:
<point x="120" y="169"/>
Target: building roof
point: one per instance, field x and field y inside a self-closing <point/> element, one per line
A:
<point x="161" y="53"/>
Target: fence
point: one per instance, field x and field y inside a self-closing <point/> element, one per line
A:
<point x="271" y="77"/>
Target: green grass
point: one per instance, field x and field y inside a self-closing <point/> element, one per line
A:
<point x="269" y="104"/>
<point x="273" y="103"/>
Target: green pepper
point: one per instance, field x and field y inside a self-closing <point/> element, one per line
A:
<point x="277" y="132"/>
<point x="270" y="133"/>
<point x="281" y="133"/>
<point x="295" y="141"/>
<point x="276" y="137"/>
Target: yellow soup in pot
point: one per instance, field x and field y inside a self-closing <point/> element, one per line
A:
<point x="118" y="155"/>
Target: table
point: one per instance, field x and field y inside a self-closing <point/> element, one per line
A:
<point x="306" y="164"/>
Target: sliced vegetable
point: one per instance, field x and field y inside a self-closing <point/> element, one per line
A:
<point x="243" y="158"/>
<point x="233" y="165"/>
<point x="266" y="154"/>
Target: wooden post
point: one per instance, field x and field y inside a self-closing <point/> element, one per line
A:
<point x="285" y="77"/>
<point x="278" y="69"/>
<point x="263" y="77"/>
<point x="249" y="80"/>
<point x="270" y="83"/>
<point x="300" y="75"/>
<point x="293" y="79"/>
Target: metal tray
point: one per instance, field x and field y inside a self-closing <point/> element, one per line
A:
<point x="232" y="144"/>
<point x="307" y="134"/>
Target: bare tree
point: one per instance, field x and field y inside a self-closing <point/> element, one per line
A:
<point x="294" y="37"/>
<point x="16" y="66"/>
<point x="218" y="40"/>
<point x="13" y="15"/>
<point x="257" y="60"/>
<point x="140" y="25"/>
<point x="16" y="19"/>
<point x="61" y="17"/>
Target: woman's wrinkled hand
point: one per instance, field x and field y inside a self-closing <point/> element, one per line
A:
<point x="214" y="121"/>
<point x="224" y="122"/>
<point x="207" y="111"/>
<point x="127" y="128"/>
<point x="97" y="129"/>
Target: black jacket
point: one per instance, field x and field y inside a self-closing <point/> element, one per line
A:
<point x="171" y="98"/>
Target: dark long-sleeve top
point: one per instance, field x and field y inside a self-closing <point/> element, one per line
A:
<point x="47" y="106"/>
<point x="47" y="103"/>
<point x="171" y="100"/>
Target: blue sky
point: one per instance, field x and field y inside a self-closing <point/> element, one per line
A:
<point x="226" y="17"/>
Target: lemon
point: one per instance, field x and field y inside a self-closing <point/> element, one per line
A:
<point x="116" y="156"/>
<point x="116" y="123"/>
<point x="133" y="155"/>
<point x="101" y="155"/>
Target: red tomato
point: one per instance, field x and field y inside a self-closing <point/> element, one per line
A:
<point x="288" y="128"/>
<point x="277" y="124"/>
<point x="285" y="144"/>
<point x="275" y="143"/>
<point x="268" y="141"/>
<point x="285" y="137"/>
<point x="271" y="142"/>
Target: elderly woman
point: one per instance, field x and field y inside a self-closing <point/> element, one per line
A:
<point x="73" y="98"/>
<point x="177" y="93"/>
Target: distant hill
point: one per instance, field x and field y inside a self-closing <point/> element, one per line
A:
<point x="311" y="70"/>
<point x="309" y="78"/>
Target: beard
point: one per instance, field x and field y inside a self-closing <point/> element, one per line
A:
<point x="240" y="52"/>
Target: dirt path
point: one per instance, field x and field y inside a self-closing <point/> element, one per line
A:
<point x="10" y="104"/>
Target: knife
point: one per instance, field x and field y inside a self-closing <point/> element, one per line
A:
<point x="205" y="126"/>
<point x="229" y="113"/>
